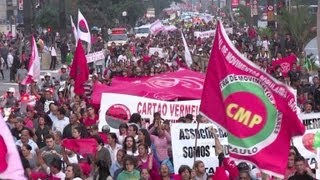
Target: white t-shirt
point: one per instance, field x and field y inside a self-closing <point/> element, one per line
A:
<point x="58" y="125"/>
<point x="53" y="51"/>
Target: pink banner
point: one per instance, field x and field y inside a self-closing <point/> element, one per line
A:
<point x="180" y="85"/>
<point x="259" y="112"/>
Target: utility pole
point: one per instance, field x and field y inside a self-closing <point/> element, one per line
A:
<point x="27" y="17"/>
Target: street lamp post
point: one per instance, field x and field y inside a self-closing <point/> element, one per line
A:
<point x="124" y="16"/>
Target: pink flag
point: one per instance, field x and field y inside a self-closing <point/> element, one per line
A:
<point x="74" y="30"/>
<point x="10" y="162"/>
<point x="34" y="65"/>
<point x="156" y="27"/>
<point x="83" y="28"/>
<point x="259" y="112"/>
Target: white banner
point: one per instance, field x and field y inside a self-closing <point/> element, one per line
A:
<point x="210" y="33"/>
<point x="92" y="57"/>
<point x="204" y="34"/>
<point x="183" y="138"/>
<point x="117" y="108"/>
<point x="152" y="50"/>
<point x="305" y="143"/>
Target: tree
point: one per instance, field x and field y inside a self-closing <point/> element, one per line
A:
<point x="299" y="23"/>
<point x="48" y="17"/>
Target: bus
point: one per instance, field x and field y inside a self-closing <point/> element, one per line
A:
<point x="118" y="36"/>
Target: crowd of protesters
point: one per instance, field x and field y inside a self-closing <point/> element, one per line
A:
<point x="134" y="151"/>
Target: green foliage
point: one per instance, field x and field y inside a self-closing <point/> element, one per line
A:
<point x="244" y="15"/>
<point x="265" y="32"/>
<point x="48" y="17"/>
<point x="298" y="23"/>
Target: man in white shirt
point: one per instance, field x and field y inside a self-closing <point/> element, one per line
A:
<point x="61" y="122"/>
<point x="10" y="59"/>
<point x="53" y="57"/>
<point x="26" y="139"/>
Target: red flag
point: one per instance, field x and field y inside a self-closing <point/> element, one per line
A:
<point x="79" y="69"/>
<point x="81" y="146"/>
<point x="285" y="64"/>
<point x="220" y="174"/>
<point x="34" y="65"/>
<point x="259" y="112"/>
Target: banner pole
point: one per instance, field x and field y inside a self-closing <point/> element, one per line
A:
<point x="196" y="143"/>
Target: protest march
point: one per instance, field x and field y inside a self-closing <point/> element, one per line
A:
<point x="191" y="97"/>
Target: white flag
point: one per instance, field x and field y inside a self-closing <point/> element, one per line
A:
<point x="187" y="54"/>
<point x="34" y="65"/>
<point x="83" y="29"/>
<point x="74" y="30"/>
<point x="10" y="162"/>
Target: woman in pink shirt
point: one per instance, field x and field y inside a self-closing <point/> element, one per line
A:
<point x="161" y="142"/>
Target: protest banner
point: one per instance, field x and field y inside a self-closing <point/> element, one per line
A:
<point x="204" y="34"/>
<point x="153" y="50"/>
<point x="183" y="146"/>
<point x="117" y="108"/>
<point x="305" y="143"/>
<point x="92" y="57"/>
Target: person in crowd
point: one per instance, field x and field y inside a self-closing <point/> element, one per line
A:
<point x="129" y="169"/>
<point x="130" y="146"/>
<point x="147" y="161"/>
<point x="116" y="166"/>
<point x="32" y="158"/>
<point x="290" y="170"/>
<point x="144" y="137"/>
<point x="18" y="126"/>
<point x="200" y="170"/>
<point x="145" y="175"/>
<point x="20" y="76"/>
<point x="165" y="173"/>
<point x="122" y="133"/>
<point x="47" y="82"/>
<point x="244" y="175"/>
<point x="26" y="139"/>
<point x="53" y="54"/>
<point x="301" y="171"/>
<point x="77" y="133"/>
<point x="73" y="172"/>
<point x="157" y="120"/>
<point x="9" y="100"/>
<point x="2" y="66"/>
<point x="169" y="161"/>
<point x="70" y="157"/>
<point x="73" y="123"/>
<point x="161" y="142"/>
<point x="61" y="122"/>
<point x="133" y="131"/>
<point x="42" y="131"/>
<point x="92" y="117"/>
<point x="54" y="169"/>
<point x="51" y="150"/>
<point x="102" y="159"/>
<point x="136" y="119"/>
<point x="113" y="146"/>
<point x="10" y="60"/>
<point x="184" y="172"/>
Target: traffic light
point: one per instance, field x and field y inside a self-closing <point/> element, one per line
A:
<point x="49" y="29"/>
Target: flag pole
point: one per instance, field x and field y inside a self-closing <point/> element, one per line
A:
<point x="195" y="143"/>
